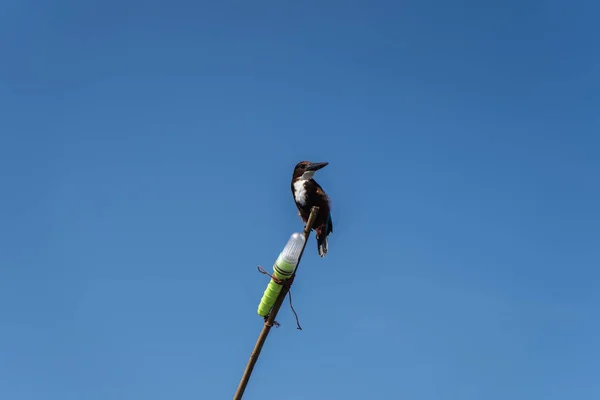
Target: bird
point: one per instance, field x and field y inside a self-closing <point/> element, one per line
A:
<point x="307" y="194"/>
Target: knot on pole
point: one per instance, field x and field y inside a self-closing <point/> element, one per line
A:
<point x="287" y="283"/>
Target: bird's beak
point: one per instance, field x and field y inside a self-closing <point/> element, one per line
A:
<point x="316" y="166"/>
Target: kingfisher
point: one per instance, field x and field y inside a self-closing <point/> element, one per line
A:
<point x="307" y="194"/>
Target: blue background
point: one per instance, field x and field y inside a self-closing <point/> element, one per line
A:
<point x="145" y="157"/>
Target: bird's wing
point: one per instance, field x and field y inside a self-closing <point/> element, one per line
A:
<point x="320" y="191"/>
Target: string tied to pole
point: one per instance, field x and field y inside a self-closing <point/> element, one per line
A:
<point x="288" y="284"/>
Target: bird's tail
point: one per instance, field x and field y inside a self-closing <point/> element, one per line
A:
<point x="322" y="241"/>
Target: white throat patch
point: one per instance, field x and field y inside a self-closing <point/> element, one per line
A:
<point x="300" y="189"/>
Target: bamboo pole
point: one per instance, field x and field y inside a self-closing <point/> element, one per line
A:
<point x="262" y="337"/>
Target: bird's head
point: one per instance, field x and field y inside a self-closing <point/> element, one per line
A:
<point x="306" y="169"/>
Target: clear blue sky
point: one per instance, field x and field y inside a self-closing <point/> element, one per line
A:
<point x="145" y="157"/>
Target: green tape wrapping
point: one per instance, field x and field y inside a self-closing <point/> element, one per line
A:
<point x="268" y="300"/>
<point x="281" y="270"/>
